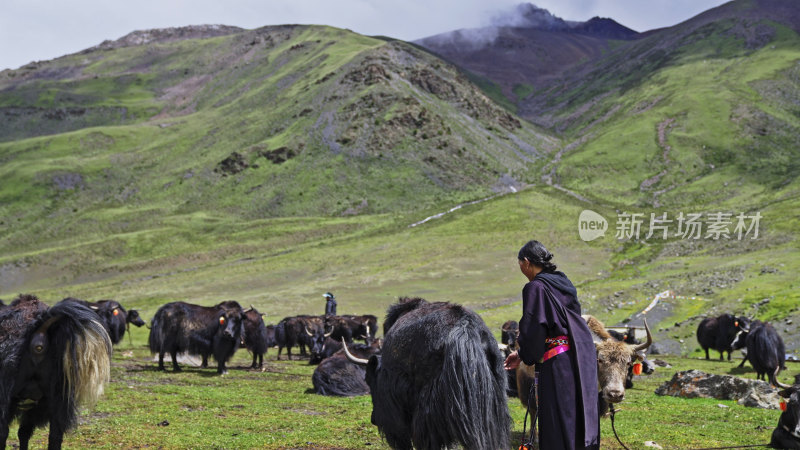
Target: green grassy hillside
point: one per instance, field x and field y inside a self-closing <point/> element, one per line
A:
<point x="269" y="166"/>
<point x="698" y="118"/>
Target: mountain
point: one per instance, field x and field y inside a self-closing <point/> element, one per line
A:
<point x="697" y="118"/>
<point x="272" y="165"/>
<point x="278" y="121"/>
<point x="527" y="48"/>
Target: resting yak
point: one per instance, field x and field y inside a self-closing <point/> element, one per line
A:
<point x="787" y="433"/>
<point x="439" y="380"/>
<point x="336" y="375"/>
<point x="52" y="360"/>
<point x="200" y="330"/>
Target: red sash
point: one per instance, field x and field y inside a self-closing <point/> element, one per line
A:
<point x="556" y="346"/>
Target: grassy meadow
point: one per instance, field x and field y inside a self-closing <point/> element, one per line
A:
<point x="276" y="408"/>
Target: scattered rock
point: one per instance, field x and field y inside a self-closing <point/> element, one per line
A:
<point x="232" y="165"/>
<point x="696" y="383"/>
<point x="279" y="155"/>
<point x="652" y="445"/>
<point x="661" y="363"/>
<point x="68" y="181"/>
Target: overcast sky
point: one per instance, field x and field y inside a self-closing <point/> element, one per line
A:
<point x="33" y="30"/>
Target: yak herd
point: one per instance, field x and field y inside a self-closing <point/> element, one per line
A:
<point x="436" y="377"/>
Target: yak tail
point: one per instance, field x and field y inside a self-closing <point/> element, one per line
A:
<point x="280" y="334"/>
<point x="156" y="339"/>
<point x="86" y="346"/>
<point x="471" y="389"/>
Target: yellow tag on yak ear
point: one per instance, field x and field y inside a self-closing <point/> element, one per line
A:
<point x="116" y="312"/>
<point x="222" y="320"/>
<point x="736" y="324"/>
<point x="783" y="405"/>
<point x="637" y="369"/>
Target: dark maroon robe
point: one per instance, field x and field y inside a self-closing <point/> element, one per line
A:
<point x="568" y="417"/>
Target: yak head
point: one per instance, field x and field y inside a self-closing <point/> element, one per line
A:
<point x="509" y="333"/>
<point x="230" y="320"/>
<point x="613" y="360"/>
<point x="743" y="325"/>
<point x="134" y="318"/>
<point x="318" y="343"/>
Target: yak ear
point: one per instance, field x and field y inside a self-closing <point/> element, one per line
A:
<point x="374" y="364"/>
<point x="787" y="393"/>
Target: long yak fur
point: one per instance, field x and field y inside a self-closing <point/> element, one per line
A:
<point x="52" y="361"/>
<point x="199" y="330"/>
<point x="439" y="380"/>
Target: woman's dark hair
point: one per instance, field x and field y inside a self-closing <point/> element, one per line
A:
<point x="535" y="252"/>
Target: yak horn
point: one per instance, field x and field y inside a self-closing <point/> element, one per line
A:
<point x="644" y="346"/>
<point x="778" y="383"/>
<point x="307" y="332"/>
<point x="47" y="323"/>
<point x="351" y="358"/>
<point x="328" y="334"/>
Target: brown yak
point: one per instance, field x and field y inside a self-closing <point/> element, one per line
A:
<point x="613" y="359"/>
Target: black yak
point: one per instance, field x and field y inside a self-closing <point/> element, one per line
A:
<point x="255" y="336"/>
<point x="291" y="331"/>
<point x="509" y="332"/>
<point x="765" y="350"/>
<point x="718" y="333"/>
<point x="348" y="327"/>
<point x="52" y="360"/>
<point x="439" y="380"/>
<point x="336" y="375"/>
<point x="787" y="434"/>
<point x="199" y="330"/>
<point x="113" y="317"/>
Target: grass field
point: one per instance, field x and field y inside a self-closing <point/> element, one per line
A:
<point x="276" y="408"/>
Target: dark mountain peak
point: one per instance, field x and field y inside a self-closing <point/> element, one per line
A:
<point x="161" y="35"/>
<point x="604" y="27"/>
<point x="528" y="15"/>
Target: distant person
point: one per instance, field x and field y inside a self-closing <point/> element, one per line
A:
<point x="330" y="304"/>
<point x="553" y="336"/>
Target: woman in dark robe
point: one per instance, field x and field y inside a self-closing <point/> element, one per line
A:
<point x="554" y="336"/>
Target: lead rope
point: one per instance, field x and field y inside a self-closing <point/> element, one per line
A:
<point x="613" y="428"/>
<point x="532" y="394"/>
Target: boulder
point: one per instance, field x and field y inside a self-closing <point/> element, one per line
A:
<point x="696" y="383"/>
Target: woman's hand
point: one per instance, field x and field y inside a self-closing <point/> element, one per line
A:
<point x="512" y="362"/>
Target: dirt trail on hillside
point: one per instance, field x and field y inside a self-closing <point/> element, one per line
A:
<point x="549" y="176"/>
<point x="663" y="129"/>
